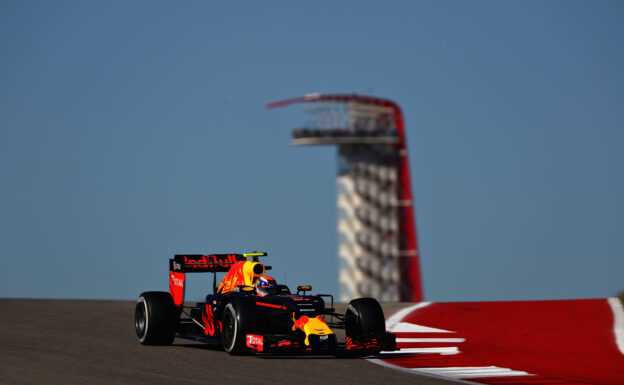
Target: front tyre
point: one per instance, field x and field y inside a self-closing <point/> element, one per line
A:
<point x="237" y="320"/>
<point x="155" y="318"/>
<point x="365" y="319"/>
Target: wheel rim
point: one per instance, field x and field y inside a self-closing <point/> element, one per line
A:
<point x="140" y="320"/>
<point x="228" y="330"/>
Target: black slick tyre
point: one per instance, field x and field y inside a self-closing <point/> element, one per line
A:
<point x="155" y="318"/>
<point x="238" y="319"/>
<point x="365" y="318"/>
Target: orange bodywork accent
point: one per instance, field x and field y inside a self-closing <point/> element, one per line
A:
<point x="270" y="305"/>
<point x="241" y="273"/>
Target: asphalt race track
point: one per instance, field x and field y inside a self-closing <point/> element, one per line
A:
<point x="93" y="342"/>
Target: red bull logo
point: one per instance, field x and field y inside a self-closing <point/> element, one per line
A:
<point x="208" y="318"/>
<point x="209" y="261"/>
<point x="300" y="323"/>
<point x="311" y="326"/>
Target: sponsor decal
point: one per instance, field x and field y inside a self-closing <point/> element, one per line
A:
<point x="209" y="261"/>
<point x="255" y="342"/>
<point x="177" y="282"/>
<point x="176" y="286"/>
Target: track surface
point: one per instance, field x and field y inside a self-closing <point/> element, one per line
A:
<point x="93" y="342"/>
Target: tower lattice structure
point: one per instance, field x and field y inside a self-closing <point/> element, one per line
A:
<point x="377" y="243"/>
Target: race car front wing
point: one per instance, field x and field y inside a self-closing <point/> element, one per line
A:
<point x="272" y="343"/>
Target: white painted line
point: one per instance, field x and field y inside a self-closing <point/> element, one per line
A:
<point x="454" y="340"/>
<point x="407" y="370"/>
<point x="398" y="316"/>
<point x="394" y="324"/>
<point x="618" y="322"/>
<point x="406" y="327"/>
<point x="473" y="372"/>
<point x="444" y="351"/>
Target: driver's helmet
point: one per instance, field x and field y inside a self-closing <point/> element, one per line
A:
<point x="265" y="285"/>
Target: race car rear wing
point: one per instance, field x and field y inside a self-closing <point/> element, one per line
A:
<point x="181" y="264"/>
<point x="197" y="263"/>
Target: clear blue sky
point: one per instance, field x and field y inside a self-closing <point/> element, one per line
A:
<point x="133" y="130"/>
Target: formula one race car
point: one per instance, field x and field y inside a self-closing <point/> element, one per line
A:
<point x="249" y="312"/>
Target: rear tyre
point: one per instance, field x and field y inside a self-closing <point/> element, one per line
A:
<point x="238" y="319"/>
<point x="365" y="318"/>
<point x="155" y="318"/>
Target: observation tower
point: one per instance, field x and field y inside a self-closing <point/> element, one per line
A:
<point x="377" y="243"/>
